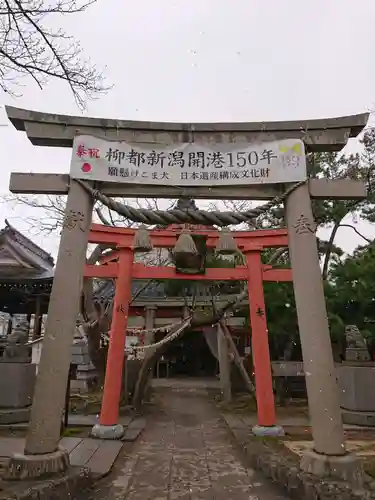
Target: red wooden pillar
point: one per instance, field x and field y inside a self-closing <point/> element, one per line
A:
<point x="259" y="342"/>
<point x="115" y="358"/>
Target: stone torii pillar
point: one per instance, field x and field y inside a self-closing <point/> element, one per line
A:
<point x="329" y="456"/>
<point x="42" y="454"/>
<point x="59" y="131"/>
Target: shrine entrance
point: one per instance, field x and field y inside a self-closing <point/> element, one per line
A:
<point x="119" y="264"/>
<point x="243" y="161"/>
<point x="188" y="357"/>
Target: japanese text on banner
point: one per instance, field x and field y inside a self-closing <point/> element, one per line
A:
<point x="188" y="164"/>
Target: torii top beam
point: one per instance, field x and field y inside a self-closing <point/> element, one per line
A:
<point x="47" y="129"/>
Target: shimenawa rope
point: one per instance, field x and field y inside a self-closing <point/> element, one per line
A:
<point x="177" y="216"/>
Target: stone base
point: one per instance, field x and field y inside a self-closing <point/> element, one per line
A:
<point x="10" y="416"/>
<point x="357" y="390"/>
<point x="36" y="466"/>
<point x="284" y="470"/>
<point x="17" y="382"/>
<point x="362" y="418"/>
<point x="346" y="467"/>
<point x="74" y="484"/>
<point x="273" y="431"/>
<point x="100" y="431"/>
<point x="353" y="354"/>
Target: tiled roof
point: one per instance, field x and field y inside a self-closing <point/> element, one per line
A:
<point x="26" y="242"/>
<point x="41" y="263"/>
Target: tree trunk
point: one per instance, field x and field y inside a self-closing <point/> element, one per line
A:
<point x="96" y="319"/>
<point x="148" y="365"/>
<point x="237" y="358"/>
<point x="98" y="355"/>
<point x="329" y="250"/>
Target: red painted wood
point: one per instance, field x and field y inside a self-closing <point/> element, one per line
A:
<point x="277" y="275"/>
<point x="259" y="343"/>
<point x="139" y="271"/>
<point x="115" y="359"/>
<point x="247" y="235"/>
<point x="166" y="238"/>
<point x="105" y="271"/>
<point x="119" y="264"/>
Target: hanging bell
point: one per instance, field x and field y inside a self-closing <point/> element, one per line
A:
<point x="227" y="244"/>
<point x="185" y="245"/>
<point x="142" y="241"/>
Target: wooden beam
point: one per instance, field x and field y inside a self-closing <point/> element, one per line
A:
<point x="101" y="271"/>
<point x="58" y="135"/>
<point x="164" y="238"/>
<point x="160" y="234"/>
<point x="246" y="240"/>
<point x="141" y="271"/>
<point x="339" y="189"/>
<point x="29" y="183"/>
<point x="19" y="117"/>
<point x="277" y="275"/>
<point x="58" y="184"/>
<point x="47" y="129"/>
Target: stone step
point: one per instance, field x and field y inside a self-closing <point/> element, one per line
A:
<point x="134" y="429"/>
<point x="3" y="464"/>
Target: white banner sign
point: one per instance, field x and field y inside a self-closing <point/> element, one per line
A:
<point x="188" y="164"/>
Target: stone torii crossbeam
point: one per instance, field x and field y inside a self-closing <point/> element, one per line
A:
<point x="41" y="449"/>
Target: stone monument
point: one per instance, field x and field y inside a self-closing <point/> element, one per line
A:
<point x="356" y="375"/>
<point x="356" y="347"/>
<point x="86" y="372"/>
<point x="15" y="348"/>
<point x="17" y="377"/>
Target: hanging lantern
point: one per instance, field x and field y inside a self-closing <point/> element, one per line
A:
<point x="227" y="244"/>
<point x="142" y="240"/>
<point x="185" y="245"/>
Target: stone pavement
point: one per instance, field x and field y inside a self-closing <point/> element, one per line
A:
<point x="94" y="454"/>
<point x="186" y="452"/>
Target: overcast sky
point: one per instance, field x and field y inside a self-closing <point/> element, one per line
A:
<point x="209" y="60"/>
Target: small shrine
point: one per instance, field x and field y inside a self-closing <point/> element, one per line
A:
<point x="26" y="275"/>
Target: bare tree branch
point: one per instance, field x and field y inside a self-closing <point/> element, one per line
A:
<point x="30" y="48"/>
<point x="356" y="231"/>
<point x="277" y="254"/>
<point x="329" y="249"/>
<point x="103" y="220"/>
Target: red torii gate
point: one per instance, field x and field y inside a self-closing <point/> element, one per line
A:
<point x="120" y="265"/>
